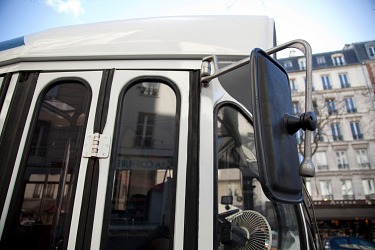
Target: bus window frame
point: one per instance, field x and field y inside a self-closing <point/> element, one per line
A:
<point x="296" y="207"/>
<point x="117" y="127"/>
<point x="17" y="194"/>
<point x="246" y="115"/>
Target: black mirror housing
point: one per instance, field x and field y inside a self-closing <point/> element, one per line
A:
<point x="277" y="154"/>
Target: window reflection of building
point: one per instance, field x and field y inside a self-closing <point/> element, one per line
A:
<point x="144" y="132"/>
<point x="49" y="167"/>
<point x="238" y="177"/>
<point x="150" y="88"/>
<point x="142" y="188"/>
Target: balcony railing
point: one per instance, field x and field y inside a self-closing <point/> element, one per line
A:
<point x="332" y="112"/>
<point x="327" y="197"/>
<point x="338" y="138"/>
<point x="365" y="165"/>
<point x="352" y="110"/>
<point x="345" y="85"/>
<point x="343" y="166"/>
<point x="348" y="197"/>
<point x="357" y="136"/>
<point x="323" y="167"/>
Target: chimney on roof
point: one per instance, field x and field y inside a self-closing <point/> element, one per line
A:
<point x="347" y="46"/>
<point x="292" y="53"/>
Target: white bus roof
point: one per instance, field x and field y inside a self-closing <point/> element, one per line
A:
<point x="168" y="37"/>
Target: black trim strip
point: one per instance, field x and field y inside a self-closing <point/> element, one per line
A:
<point x="192" y="172"/>
<point x="13" y="128"/>
<point x="88" y="205"/>
<point x="87" y="214"/>
<point x="103" y="101"/>
<point x="4" y="88"/>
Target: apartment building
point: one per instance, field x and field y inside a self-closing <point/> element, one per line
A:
<point x="343" y="189"/>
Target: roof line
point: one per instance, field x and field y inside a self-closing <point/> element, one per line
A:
<point x="106" y="58"/>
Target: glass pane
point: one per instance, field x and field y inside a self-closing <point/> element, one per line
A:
<point x="46" y="195"/>
<point x="142" y="209"/>
<point x="238" y="187"/>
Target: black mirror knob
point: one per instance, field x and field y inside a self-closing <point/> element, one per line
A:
<point x="306" y="120"/>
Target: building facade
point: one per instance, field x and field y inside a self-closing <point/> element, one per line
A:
<point x="342" y="189"/>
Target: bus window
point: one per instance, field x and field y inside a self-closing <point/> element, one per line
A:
<point x="45" y="189"/>
<point x="141" y="212"/>
<point x="238" y="185"/>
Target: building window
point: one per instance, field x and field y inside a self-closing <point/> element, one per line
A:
<point x="331" y="107"/>
<point x="288" y="64"/>
<point x="356" y="131"/>
<point x="320" y="60"/>
<point x="371" y="51"/>
<point x="336" y="132"/>
<point x="342" y="160"/>
<point x="347" y="189"/>
<point x="149" y="88"/>
<point x="326" y="82"/>
<point x="302" y="63"/>
<point x="362" y="158"/>
<point x="338" y="60"/>
<point x="350" y="106"/>
<point x="296" y="109"/>
<point x="368" y="188"/>
<point x="326" y="190"/>
<point x="292" y="84"/>
<point x="320" y="160"/>
<point x="344" y="80"/>
<point x="144" y="132"/>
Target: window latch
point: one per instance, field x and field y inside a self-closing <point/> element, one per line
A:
<point x="96" y="146"/>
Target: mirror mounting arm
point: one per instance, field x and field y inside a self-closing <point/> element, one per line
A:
<point x="307" y="168"/>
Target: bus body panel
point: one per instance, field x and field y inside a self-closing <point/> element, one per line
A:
<point x="168" y="36"/>
<point x="141" y="54"/>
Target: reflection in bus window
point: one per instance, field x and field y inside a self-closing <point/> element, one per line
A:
<point x="238" y="185"/>
<point x="45" y="193"/>
<point x="142" y="202"/>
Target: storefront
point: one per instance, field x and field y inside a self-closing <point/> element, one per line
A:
<point x="346" y="218"/>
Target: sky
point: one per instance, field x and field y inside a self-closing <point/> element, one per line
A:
<point x="326" y="24"/>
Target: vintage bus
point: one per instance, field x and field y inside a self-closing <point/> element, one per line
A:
<point x="151" y="134"/>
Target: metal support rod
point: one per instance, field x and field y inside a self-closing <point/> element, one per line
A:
<point x="218" y="72"/>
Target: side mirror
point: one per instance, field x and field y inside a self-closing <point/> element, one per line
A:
<point x="276" y="148"/>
